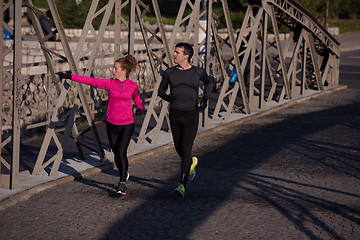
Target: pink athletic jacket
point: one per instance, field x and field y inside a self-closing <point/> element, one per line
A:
<point x="121" y="94"/>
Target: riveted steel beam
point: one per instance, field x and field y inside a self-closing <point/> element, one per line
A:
<point x="11" y="180"/>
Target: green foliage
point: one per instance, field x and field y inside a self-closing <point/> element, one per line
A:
<point x="316" y="7"/>
<point x="346" y="25"/>
<point x="237" y="18"/>
<point x="169" y="10"/>
<point x="83" y="10"/>
<point x="40" y="4"/>
<point x="337" y="8"/>
<point x="237" y="13"/>
<point x="349" y="8"/>
<point x="74" y="16"/>
<point x="69" y="13"/>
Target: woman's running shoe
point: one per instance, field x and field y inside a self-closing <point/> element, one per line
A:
<point x="121" y="188"/>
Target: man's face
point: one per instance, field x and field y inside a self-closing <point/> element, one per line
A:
<point x="179" y="56"/>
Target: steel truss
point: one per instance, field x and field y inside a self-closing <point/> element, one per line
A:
<point x="11" y="180"/>
<point x="69" y="117"/>
<point x="308" y="59"/>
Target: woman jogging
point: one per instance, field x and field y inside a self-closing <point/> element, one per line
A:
<point x="184" y="80"/>
<point x="120" y="122"/>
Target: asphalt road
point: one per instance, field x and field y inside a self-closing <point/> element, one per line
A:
<point x="350" y="69"/>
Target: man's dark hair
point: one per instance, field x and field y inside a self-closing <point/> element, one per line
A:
<point x="188" y="50"/>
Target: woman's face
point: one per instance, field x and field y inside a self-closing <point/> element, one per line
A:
<point x="118" y="72"/>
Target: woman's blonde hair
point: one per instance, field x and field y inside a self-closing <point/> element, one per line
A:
<point x="129" y="63"/>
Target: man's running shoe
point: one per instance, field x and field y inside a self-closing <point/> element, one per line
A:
<point x="121" y="188"/>
<point x="180" y="190"/>
<point x="192" y="168"/>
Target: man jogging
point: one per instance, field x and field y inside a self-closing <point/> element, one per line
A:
<point x="184" y="81"/>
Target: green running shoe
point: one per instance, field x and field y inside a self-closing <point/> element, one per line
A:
<point x="192" y="168"/>
<point x="180" y="190"/>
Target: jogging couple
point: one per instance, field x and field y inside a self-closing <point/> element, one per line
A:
<point x="183" y="80"/>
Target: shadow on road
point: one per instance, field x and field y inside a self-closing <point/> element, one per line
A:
<point x="242" y="173"/>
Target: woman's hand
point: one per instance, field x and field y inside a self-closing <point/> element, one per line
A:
<point x="64" y="75"/>
<point x="138" y="112"/>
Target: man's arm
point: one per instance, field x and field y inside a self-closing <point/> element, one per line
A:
<point x="163" y="87"/>
<point x="208" y="80"/>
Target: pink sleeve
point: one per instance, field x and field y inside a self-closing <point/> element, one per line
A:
<point x="95" y="82"/>
<point x="136" y="98"/>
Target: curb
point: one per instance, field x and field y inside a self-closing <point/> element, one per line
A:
<point x="27" y="194"/>
<point x="269" y="111"/>
<point x="349" y="49"/>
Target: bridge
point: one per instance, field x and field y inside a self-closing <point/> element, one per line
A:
<point x="306" y="60"/>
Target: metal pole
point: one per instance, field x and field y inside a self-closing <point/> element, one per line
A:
<point x="15" y="156"/>
<point x="205" y="118"/>
<point x="208" y="35"/>
<point x="1" y="76"/>
<point x="117" y="48"/>
<point x="263" y="62"/>
<point x="327" y="15"/>
<point x="131" y="27"/>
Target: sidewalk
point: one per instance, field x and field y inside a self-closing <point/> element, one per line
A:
<point x="72" y="168"/>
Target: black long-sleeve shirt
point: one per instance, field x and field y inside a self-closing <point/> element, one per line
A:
<point x="184" y="87"/>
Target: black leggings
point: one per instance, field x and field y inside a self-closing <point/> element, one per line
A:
<point x="184" y="126"/>
<point x="119" y="138"/>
